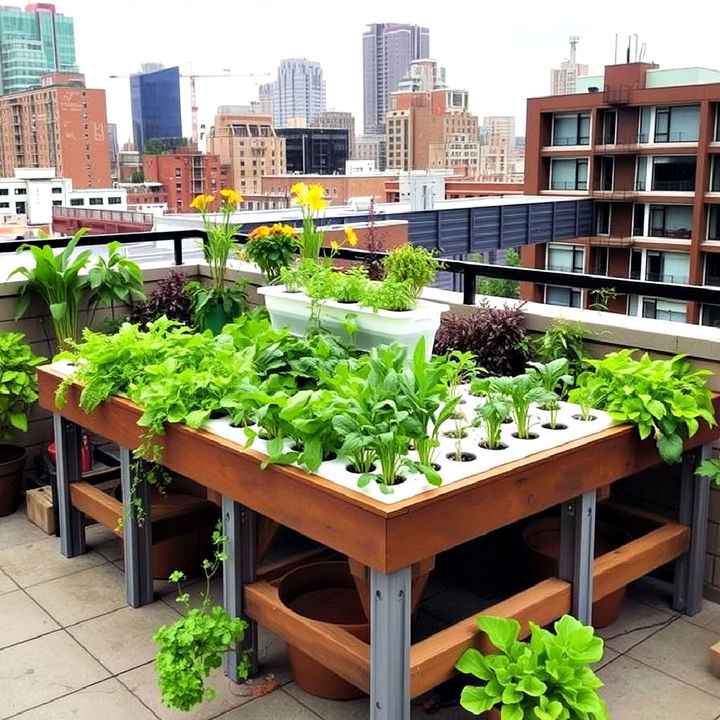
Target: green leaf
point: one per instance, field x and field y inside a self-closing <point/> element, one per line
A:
<point x="530" y="685"/>
<point x="474" y="663"/>
<point x="502" y="632"/>
<point x="475" y="700"/>
<point x="670" y="448"/>
<point x="58" y="310"/>
<point x="512" y="712"/>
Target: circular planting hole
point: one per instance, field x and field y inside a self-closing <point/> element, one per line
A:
<point x="557" y="426"/>
<point x="399" y="480"/>
<point x="264" y="435"/>
<point x="296" y="447"/>
<point x="217" y="414"/>
<point x="242" y="424"/>
<point x="530" y="436"/>
<point x="464" y="457"/>
<point x="499" y="446"/>
<point x="507" y="421"/>
<point x="457" y="416"/>
<point x="352" y="469"/>
<point x="589" y="418"/>
<point x="327" y="457"/>
<point x="455" y="435"/>
<point x="435" y="466"/>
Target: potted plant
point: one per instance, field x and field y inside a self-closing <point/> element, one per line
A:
<point x="218" y="304"/>
<point x="547" y="678"/>
<point x="271" y="248"/>
<point x="18" y="390"/>
<point x="552" y="376"/>
<point x="522" y="391"/>
<point x="490" y="415"/>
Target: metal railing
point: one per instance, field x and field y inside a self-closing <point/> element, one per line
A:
<point x="469" y="271"/>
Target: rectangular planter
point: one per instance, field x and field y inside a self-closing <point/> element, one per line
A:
<point x="379" y="327"/>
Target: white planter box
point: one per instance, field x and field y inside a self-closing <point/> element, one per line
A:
<point x="373" y="328"/>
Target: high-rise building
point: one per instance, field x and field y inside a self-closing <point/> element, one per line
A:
<point x="266" y="92"/>
<point x="641" y="141"/>
<point x="113" y="143"/>
<point x="370" y="147"/>
<point x="562" y="80"/>
<point x="333" y="120"/>
<point x="247" y="146"/>
<point x="155" y="101"/>
<point x="315" y="151"/>
<point x="431" y="127"/>
<point x="500" y="159"/>
<point x="34" y="42"/>
<point x="388" y="50"/>
<point x="298" y="93"/>
<point x="184" y="174"/>
<point x="61" y="124"/>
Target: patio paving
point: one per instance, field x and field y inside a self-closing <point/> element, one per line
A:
<point x="71" y="648"/>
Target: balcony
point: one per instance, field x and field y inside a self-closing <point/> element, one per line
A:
<point x="675" y="233"/>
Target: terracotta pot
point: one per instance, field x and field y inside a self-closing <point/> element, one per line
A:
<point x="542" y="538"/>
<point x="12" y="469"/>
<point x="420" y="576"/>
<point x="326" y="592"/>
<point x="493" y="714"/>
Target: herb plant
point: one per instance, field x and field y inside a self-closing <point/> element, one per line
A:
<point x="491" y="415"/>
<point x="412" y="264"/>
<point x="351" y="286"/>
<point x="391" y="295"/>
<point x="547" y="678"/>
<point x="563" y="339"/>
<point x="522" y="391"/>
<point x="192" y="647"/>
<point x="18" y="384"/>
<point x="554" y="377"/>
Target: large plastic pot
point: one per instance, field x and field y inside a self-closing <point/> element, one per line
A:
<point x="542" y="538"/>
<point x="326" y="592"/>
<point x="12" y="469"/>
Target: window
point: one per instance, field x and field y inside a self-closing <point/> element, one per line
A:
<point x="641" y="174"/>
<point x="675" y="173"/>
<point x="609" y="127"/>
<point x="635" y="265"/>
<point x="5" y="205"/>
<point x="571" y="129"/>
<point x="638" y="219"/>
<point x="600" y="261"/>
<point x="114" y="200"/>
<point x="680" y="123"/>
<point x="664" y="310"/>
<point x="714" y="223"/>
<point x="712" y="269"/>
<point x="644" y="129"/>
<point x="4" y="191"/>
<point x="56" y="190"/>
<point x="20" y="208"/>
<point x="715" y="174"/>
<point x="570" y="174"/>
<point x="95" y="201"/>
<point x="602" y="218"/>
<point x="607" y="171"/>
<point x="57" y="203"/>
<point x="178" y="172"/>
<point x="669" y="267"/>
<point x="20" y="191"/>
<point x="566" y="258"/>
<point x="672" y="221"/>
<point x="77" y="201"/>
<point x="711" y="315"/>
<point x="568" y="297"/>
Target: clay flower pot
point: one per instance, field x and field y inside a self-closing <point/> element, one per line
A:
<point x="12" y="468"/>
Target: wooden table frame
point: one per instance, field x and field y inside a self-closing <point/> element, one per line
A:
<point x="390" y="538"/>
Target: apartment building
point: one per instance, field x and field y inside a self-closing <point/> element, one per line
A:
<point x="645" y="144"/>
<point x="248" y="147"/>
<point x="61" y="124"/>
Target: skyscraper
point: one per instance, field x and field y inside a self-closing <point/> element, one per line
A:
<point x="388" y="50"/>
<point x="155" y="100"/>
<point x="33" y="42"/>
<point x="562" y="80"/>
<point x="299" y="93"/>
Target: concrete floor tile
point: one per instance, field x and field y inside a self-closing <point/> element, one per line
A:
<point x="142" y="682"/>
<point x="681" y="650"/>
<point x="104" y="542"/>
<point x="271" y="707"/>
<point x="108" y="698"/>
<point x="22" y="619"/>
<point x="40" y="560"/>
<point x="634" y="691"/>
<point x="651" y="591"/>
<point x="16" y="529"/>
<point x="43" y="669"/>
<point x="123" y="639"/>
<point x="83" y="595"/>
<point x="331" y="709"/>
<point x="708" y="617"/>
<point x="6" y="584"/>
<point x="608" y="656"/>
<point x="636" y="622"/>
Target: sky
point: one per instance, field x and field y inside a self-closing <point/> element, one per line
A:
<point x="501" y="52"/>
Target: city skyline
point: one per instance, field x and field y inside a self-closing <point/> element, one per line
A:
<point x="512" y="60"/>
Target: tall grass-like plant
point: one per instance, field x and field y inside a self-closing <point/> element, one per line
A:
<point x="56" y="279"/>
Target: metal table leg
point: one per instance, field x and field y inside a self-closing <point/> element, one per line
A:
<point x="239" y="569"/>
<point x="390" y="645"/>
<point x="137" y="538"/>
<point x="68" y="438"/>
<point x="577" y="552"/>
<point x="694" y="498"/>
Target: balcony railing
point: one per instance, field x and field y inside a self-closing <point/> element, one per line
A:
<point x="674" y="185"/>
<point x="681" y="233"/>
<point x="712" y="280"/>
<point x="569" y="140"/>
<point x="665" y="278"/>
<point x="466" y="271"/>
<point x="577" y="185"/>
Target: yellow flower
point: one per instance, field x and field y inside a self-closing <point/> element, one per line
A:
<point x="334" y="245"/>
<point x="260" y="231"/>
<point x="288" y="230"/>
<point x="231" y="196"/>
<point x="202" y="202"/>
<point x="277" y="229"/>
<point x="299" y="190"/>
<point x="315" y="199"/>
<point x="350" y="236"/>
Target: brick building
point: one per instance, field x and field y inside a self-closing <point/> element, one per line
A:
<point x="338" y="188"/>
<point x="183" y="174"/>
<point x="645" y="143"/>
<point x="61" y="124"/>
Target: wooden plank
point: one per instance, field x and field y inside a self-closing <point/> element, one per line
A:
<point x="715" y="659"/>
<point x="335" y="648"/>
<point x="432" y="660"/>
<point x="98" y="505"/>
<point x="637" y="558"/>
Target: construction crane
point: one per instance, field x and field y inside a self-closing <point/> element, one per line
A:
<point x="193" y="92"/>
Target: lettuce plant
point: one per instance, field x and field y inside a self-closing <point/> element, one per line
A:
<point x="555" y="378"/>
<point x="522" y="391"/>
<point x="547" y="678"/>
<point x="490" y="416"/>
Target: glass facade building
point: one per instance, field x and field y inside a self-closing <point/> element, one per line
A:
<point x="33" y="42"/>
<point x="315" y="151"/>
<point x="155" y="100"/>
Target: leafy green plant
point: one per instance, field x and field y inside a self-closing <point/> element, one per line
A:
<point x="710" y="468"/>
<point x="271" y="248"/>
<point x="491" y="415"/>
<point x="589" y="394"/>
<point x="18" y="384"/>
<point x="412" y="264"/>
<point x="351" y="285"/>
<point x="664" y="398"/>
<point x="555" y="378"/>
<point x="204" y="299"/>
<point x="547" y="678"/>
<point x="522" y="391"/>
<point x="168" y="298"/>
<point x="563" y="339"/>
<point x="56" y="279"/>
<point x="390" y="295"/>
<point x="498" y="287"/>
<point x="192" y="647"/>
